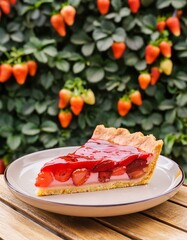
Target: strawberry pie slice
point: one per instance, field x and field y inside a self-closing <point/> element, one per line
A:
<point x="111" y="158"/>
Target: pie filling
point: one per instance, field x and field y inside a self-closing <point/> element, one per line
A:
<point x="96" y="161"/>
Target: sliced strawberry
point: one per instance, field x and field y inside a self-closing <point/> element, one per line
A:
<point x="104" y="176"/>
<point x="136" y="174"/>
<point x="129" y="159"/>
<point x="103" y="166"/>
<point x="138" y="164"/>
<point x="44" y="179"/>
<point x="80" y="176"/>
<point x="63" y="175"/>
<point x="117" y="171"/>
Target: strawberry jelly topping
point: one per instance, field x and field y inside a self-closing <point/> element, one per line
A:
<point x="98" y="155"/>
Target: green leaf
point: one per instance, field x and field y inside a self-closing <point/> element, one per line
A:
<point x="140" y="65"/>
<point x="99" y="34"/>
<point x="169" y="142"/>
<point x="63" y="65"/>
<point x="130" y="59"/>
<point x="4" y="36"/>
<point x="41" y="56"/>
<point x="108" y="26"/>
<point x="129" y="23"/>
<point x="104" y="44"/>
<point x="147" y="124"/>
<point x="50" y="51"/>
<point x="30" y="129"/>
<point x="160" y="4"/>
<point x="17" y="37"/>
<point x="146" y="107"/>
<point x="146" y="3"/>
<point x="179" y="84"/>
<point x="156" y="118"/>
<point x="40" y="107"/>
<point x="182" y="99"/>
<point x="49" y="140"/>
<point x="119" y="35"/>
<point x="78" y="67"/>
<point x="178" y="4"/>
<point x="110" y="66"/>
<point x="124" y="12"/>
<point x="95" y="74"/>
<point x="182" y="112"/>
<point x="149" y="21"/>
<point x="49" y="126"/>
<point x="47" y="80"/>
<point x="116" y="4"/>
<point x="166" y="105"/>
<point x="80" y="38"/>
<point x="170" y="116"/>
<point x="14" y="141"/>
<point x="88" y="49"/>
<point x="135" y="42"/>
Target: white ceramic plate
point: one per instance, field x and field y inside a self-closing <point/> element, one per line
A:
<point x="20" y="177"/>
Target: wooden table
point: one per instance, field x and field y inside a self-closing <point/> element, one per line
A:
<point x="19" y="220"/>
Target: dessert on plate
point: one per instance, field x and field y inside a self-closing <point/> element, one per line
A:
<point x="111" y="158"/>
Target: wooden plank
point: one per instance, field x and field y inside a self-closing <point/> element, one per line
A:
<point x="170" y="213"/>
<point x="138" y="226"/>
<point x="16" y="226"/>
<point x="73" y="228"/>
<point x="181" y="196"/>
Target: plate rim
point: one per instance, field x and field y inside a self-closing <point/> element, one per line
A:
<point x="23" y="195"/>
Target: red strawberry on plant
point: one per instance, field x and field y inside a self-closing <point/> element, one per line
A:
<point x="161" y="24"/>
<point x="155" y="75"/>
<point x="144" y="79"/>
<point x="118" y="49"/>
<point x="58" y="24"/>
<point x="103" y="6"/>
<point x="134" y="5"/>
<point x="13" y="2"/>
<point x="136" y="97"/>
<point x="5" y="6"/>
<point x="173" y="24"/>
<point x="124" y="105"/>
<point x="165" y="48"/>
<point x="68" y="13"/>
<point x="2" y="166"/>
<point x="166" y="66"/>
<point x="64" y="97"/>
<point x="76" y="104"/>
<point x="65" y="117"/>
<point x="5" y="72"/>
<point x="32" y="67"/>
<point x="151" y="53"/>
<point x="20" y="72"/>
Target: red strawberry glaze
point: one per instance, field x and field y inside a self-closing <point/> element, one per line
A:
<point x="97" y="155"/>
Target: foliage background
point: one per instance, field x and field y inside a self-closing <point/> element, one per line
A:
<point x="29" y="113"/>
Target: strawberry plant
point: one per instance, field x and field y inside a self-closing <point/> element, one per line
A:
<point x="129" y="50"/>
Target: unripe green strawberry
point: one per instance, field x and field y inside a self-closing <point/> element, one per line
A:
<point x="166" y="66"/>
<point x="88" y="97"/>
